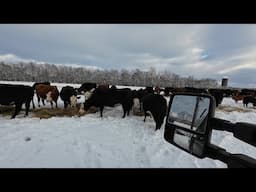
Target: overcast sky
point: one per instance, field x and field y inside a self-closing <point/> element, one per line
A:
<point x="199" y="50"/>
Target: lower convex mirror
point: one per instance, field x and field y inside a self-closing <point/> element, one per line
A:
<point x="187" y="120"/>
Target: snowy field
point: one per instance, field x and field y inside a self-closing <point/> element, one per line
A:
<point x="109" y="142"/>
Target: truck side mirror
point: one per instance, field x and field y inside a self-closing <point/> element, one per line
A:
<point x="187" y="122"/>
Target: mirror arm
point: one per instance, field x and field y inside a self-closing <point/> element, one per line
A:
<point x="218" y="153"/>
<point x="232" y="160"/>
<point x="221" y="125"/>
<point x="243" y="131"/>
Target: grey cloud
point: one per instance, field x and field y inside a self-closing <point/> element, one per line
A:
<point x="201" y="50"/>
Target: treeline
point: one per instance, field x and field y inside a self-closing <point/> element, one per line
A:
<point x="66" y="74"/>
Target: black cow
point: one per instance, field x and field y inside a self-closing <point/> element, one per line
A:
<point x="248" y="92"/>
<point x="109" y="97"/>
<point x="157" y="105"/>
<point x="86" y="87"/>
<point x="249" y="99"/>
<point x="195" y="90"/>
<point x="139" y="94"/>
<point x="149" y="89"/>
<point x="217" y="94"/>
<point x="68" y="95"/>
<point x="227" y="92"/>
<point x="16" y="94"/>
<point x="168" y="90"/>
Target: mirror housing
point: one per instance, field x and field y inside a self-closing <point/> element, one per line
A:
<point x="187" y="120"/>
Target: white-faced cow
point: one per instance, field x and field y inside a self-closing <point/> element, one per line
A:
<point x="48" y="93"/>
<point x="101" y="97"/>
<point x="16" y="94"/>
<point x="68" y="95"/>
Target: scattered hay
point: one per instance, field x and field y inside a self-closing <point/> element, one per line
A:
<point x="89" y="111"/>
<point x="7" y="110"/>
<point x="231" y="109"/>
<point x="138" y="113"/>
<point x="46" y="113"/>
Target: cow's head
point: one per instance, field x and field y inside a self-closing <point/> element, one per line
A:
<point x="49" y="96"/>
<point x="88" y="94"/>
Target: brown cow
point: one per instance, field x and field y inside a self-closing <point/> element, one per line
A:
<point x="50" y="93"/>
<point x="238" y="97"/>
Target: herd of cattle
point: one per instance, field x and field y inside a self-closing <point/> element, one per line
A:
<point x="149" y="99"/>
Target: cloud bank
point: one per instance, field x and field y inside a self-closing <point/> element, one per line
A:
<point x="199" y="50"/>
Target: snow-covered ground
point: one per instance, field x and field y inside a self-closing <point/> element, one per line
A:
<point x="109" y="142"/>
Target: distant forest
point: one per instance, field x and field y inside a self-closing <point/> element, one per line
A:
<point x="66" y="74"/>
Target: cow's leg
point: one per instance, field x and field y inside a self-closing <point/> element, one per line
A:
<point x="17" y="109"/>
<point x="158" y="125"/>
<point x="51" y="104"/>
<point x="124" y="114"/>
<point x="38" y="100"/>
<point x="124" y="110"/>
<point x="33" y="103"/>
<point x="101" y="111"/>
<point x="43" y="102"/>
<point x="145" y="115"/>
<point x="27" y="105"/>
<point x="56" y="104"/>
<point x="65" y="104"/>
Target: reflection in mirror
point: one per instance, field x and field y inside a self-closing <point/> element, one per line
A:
<point x="189" y="141"/>
<point x="189" y="112"/>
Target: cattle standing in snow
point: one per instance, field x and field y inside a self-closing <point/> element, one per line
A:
<point x="157" y="106"/>
<point x="139" y="94"/>
<point x="50" y="93"/>
<point x="217" y="94"/>
<point x="16" y="94"/>
<point x="101" y="97"/>
<point x="249" y="99"/>
<point x="68" y="95"/>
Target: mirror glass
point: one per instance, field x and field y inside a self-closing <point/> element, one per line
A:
<point x="193" y="143"/>
<point x="189" y="112"/>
